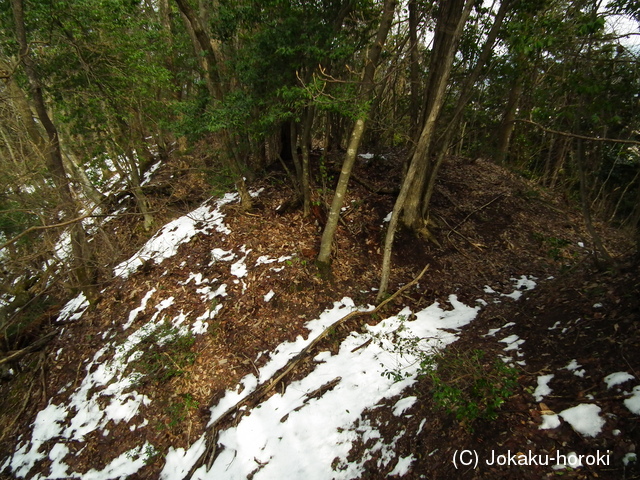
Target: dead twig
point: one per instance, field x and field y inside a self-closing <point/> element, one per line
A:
<point x="455" y="229"/>
<point x="362" y="346"/>
<point x="18" y="354"/>
<point x="318" y="392"/>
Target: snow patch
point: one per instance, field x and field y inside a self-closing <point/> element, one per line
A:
<point x="617" y="378"/>
<point x="584" y="418"/>
<point x="543" y="388"/>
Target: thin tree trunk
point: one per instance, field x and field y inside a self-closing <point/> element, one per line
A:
<point x="466" y="92"/>
<point x="293" y="144"/>
<point x="508" y="124"/>
<point x="21" y="103"/>
<point x="356" y="135"/>
<point x="54" y="156"/>
<point x="90" y="191"/>
<point x="599" y="248"/>
<point x="306" y="144"/>
<point x="448" y="31"/>
<point x="80" y="247"/>
<point x="414" y="69"/>
<point x="559" y="161"/>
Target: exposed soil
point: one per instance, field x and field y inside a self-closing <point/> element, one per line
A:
<point x="491" y="226"/>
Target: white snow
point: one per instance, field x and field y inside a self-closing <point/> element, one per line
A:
<point x="143" y="305"/>
<point x="165" y="242"/>
<point x="574" y="367"/>
<point x="492" y="332"/>
<point x="513" y="342"/>
<point x="584" y="418"/>
<point x="550" y="421"/>
<point x="403" y="405"/>
<point x="633" y="402"/>
<point x="74" y="308"/>
<point x="573" y="461"/>
<point x="269" y="295"/>
<point x="315" y="431"/>
<point x="543" y="388"/>
<point x="617" y="378"/>
<point x="292" y="434"/>
<point x="521" y="284"/>
<point x="402" y="467"/>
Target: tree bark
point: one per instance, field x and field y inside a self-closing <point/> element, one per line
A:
<point x="449" y="27"/>
<point x="81" y="251"/>
<point x="599" y="247"/>
<point x="414" y="69"/>
<point x="466" y="93"/>
<point x="508" y="124"/>
<point x="357" y="132"/>
<point x="54" y="155"/>
<point x="448" y="30"/>
<point x="306" y="145"/>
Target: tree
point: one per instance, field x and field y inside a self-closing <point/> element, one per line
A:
<point x="80" y="247"/>
<point x="356" y="135"/>
<point x="451" y="19"/>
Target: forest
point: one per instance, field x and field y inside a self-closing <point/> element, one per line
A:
<point x="225" y="95"/>
<point x="92" y="91"/>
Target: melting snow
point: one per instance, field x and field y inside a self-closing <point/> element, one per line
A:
<point x="293" y="434"/>
<point x="543" y="388"/>
<point x="633" y="402"/>
<point x="617" y="378"/>
<point x="575" y="368"/>
<point x="165" y="242"/>
<point x="584" y="418"/>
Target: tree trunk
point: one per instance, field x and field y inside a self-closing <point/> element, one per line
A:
<point x="448" y="30"/>
<point x="356" y="135"/>
<point x="21" y="103"/>
<point x="599" y="248"/>
<point x="508" y="123"/>
<point x="54" y="156"/>
<point x="466" y="93"/>
<point x="306" y="145"/>
<point x="293" y="145"/>
<point x="414" y="69"/>
<point x="451" y="21"/>
<point x="81" y="251"/>
<point x="90" y="191"/>
<point x="208" y="54"/>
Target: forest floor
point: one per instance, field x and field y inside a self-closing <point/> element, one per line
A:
<point x="572" y="337"/>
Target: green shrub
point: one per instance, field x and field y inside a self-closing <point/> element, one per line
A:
<point x="468" y="385"/>
<point x="167" y="354"/>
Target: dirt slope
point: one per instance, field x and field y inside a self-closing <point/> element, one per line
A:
<point x="491" y="225"/>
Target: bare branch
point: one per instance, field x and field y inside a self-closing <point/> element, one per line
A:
<point x="575" y="135"/>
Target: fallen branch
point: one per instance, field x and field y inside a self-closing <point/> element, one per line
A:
<point x="18" y="354"/>
<point x="320" y="391"/>
<point x="455" y="229"/>
<point x="43" y="227"/>
<point x="211" y="433"/>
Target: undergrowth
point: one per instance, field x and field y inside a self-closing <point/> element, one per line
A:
<point x="469" y="385"/>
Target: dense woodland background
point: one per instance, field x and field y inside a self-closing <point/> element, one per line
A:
<point x="97" y="90"/>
